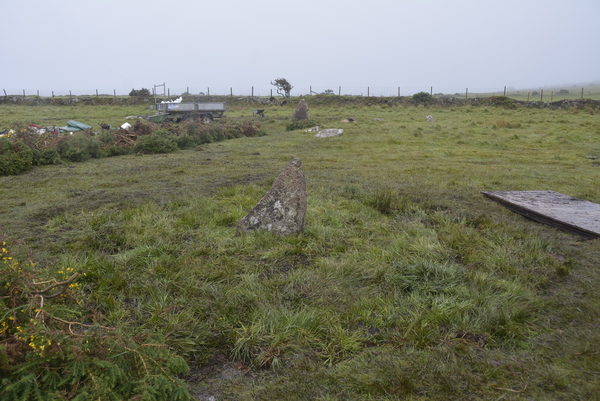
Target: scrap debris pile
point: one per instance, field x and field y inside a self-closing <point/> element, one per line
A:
<point x="40" y="137"/>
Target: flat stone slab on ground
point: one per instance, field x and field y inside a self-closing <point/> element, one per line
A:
<point x="330" y="132"/>
<point x="553" y="208"/>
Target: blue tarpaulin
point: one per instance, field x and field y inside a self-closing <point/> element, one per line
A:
<point x="74" y="126"/>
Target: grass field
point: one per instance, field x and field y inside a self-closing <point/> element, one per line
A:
<point x="406" y="284"/>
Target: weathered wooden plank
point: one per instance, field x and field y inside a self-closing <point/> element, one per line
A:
<point x="553" y="208"/>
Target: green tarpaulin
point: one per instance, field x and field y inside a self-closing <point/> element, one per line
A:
<point x="73" y="126"/>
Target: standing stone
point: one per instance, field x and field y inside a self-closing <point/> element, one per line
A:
<point x="282" y="210"/>
<point x="301" y="112"/>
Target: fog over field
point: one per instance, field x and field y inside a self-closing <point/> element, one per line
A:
<point x="234" y="45"/>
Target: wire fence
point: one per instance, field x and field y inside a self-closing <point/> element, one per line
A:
<point x="162" y="90"/>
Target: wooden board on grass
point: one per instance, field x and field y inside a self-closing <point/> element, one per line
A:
<point x="553" y="208"/>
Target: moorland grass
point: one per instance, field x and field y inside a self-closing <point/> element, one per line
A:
<point x="406" y="284"/>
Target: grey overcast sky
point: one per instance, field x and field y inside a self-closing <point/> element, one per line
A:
<point x="450" y="45"/>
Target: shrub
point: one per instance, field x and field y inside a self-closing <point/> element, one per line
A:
<point x="140" y="93"/>
<point x="422" y="98"/>
<point x="47" y="353"/>
<point x="160" y="141"/>
<point x="45" y="157"/>
<point x="79" y="148"/>
<point x="15" y="157"/>
<point x="250" y="129"/>
<point x="301" y="124"/>
<point x="502" y="101"/>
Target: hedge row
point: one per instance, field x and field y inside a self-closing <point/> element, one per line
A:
<point x="25" y="148"/>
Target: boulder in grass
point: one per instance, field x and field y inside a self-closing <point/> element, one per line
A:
<point x="326" y="133"/>
<point x="282" y="210"/>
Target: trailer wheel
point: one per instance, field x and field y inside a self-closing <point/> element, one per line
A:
<point x="207" y="119"/>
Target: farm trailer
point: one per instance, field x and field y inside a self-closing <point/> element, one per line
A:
<point x="182" y="111"/>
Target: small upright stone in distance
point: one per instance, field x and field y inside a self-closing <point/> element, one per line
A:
<point x="301" y="112"/>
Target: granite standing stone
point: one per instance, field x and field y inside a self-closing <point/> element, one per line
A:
<point x="301" y="112"/>
<point x="282" y="210"/>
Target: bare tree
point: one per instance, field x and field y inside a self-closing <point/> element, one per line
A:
<point x="283" y="86"/>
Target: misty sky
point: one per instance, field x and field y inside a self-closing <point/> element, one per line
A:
<point x="84" y="46"/>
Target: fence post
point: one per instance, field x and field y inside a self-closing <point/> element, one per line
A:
<point x="551" y="96"/>
<point x="23" y="92"/>
<point x="505" y="90"/>
<point x="207" y="91"/>
<point x="96" y="92"/>
<point x="187" y="90"/>
<point x="541" y="95"/>
<point x="52" y="93"/>
<point x="431" y="91"/>
<point x="70" y="96"/>
<point x="5" y="95"/>
<point x="115" y="93"/>
<point x="340" y="91"/>
<point x="271" y="92"/>
<point x="231" y="91"/>
<point x="38" y="93"/>
<point x="368" y="91"/>
<point x="253" y="91"/>
<point x="581" y="93"/>
<point x="398" y="91"/>
<point x="528" y="93"/>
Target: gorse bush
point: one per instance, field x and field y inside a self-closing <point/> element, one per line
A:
<point x="15" y="157"/>
<point x="160" y="141"/>
<point x="422" y="98"/>
<point x="301" y="124"/>
<point x="47" y="353"/>
<point x="79" y="148"/>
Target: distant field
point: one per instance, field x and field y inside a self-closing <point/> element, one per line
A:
<point x="407" y="283"/>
